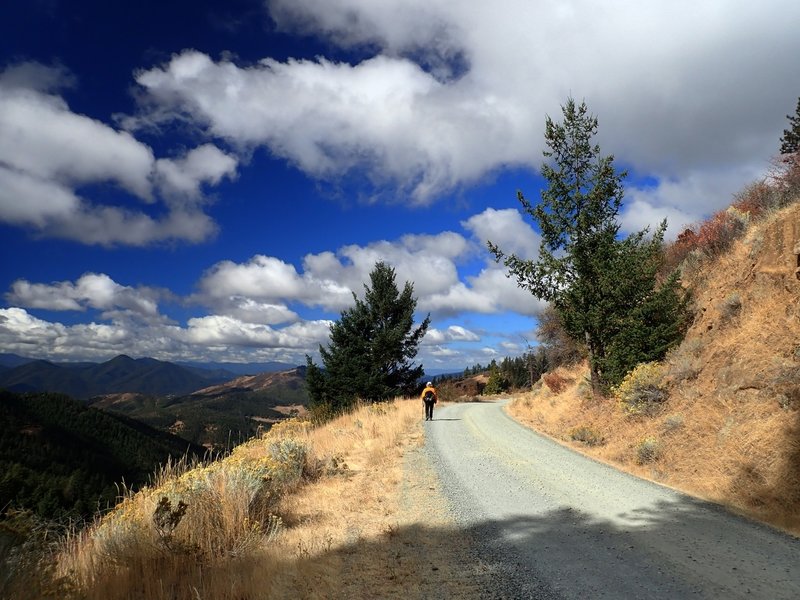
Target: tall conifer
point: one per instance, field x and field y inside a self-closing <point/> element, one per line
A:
<point x="372" y="347"/>
<point x="598" y="284"/>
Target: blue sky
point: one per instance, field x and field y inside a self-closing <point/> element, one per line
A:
<point x="210" y="180"/>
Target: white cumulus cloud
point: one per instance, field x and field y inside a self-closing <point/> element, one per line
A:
<point x="92" y="290"/>
<point x="454" y="333"/>
<point x="457" y="91"/>
<point x="48" y="152"/>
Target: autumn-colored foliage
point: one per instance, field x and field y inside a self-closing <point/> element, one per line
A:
<point x="555" y="382"/>
<point x="755" y="199"/>
<point x="713" y="237"/>
<point x="717" y="234"/>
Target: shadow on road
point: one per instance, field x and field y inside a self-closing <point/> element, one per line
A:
<point x="675" y="550"/>
<point x="561" y="554"/>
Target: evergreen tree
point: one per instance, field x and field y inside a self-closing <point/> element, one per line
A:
<point x="790" y="141"/>
<point x="497" y="383"/>
<point x="371" y="347"/>
<point x="644" y="319"/>
<point x="598" y="285"/>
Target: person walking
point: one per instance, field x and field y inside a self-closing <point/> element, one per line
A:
<point x="429" y="398"/>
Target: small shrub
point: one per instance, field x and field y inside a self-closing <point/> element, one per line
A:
<point x="166" y="519"/>
<point x="321" y="413"/>
<point x="289" y="428"/>
<point x="641" y="391"/>
<point x="676" y="252"/>
<point x="756" y="199"/>
<point x="584" y="389"/>
<point x="587" y="435"/>
<point x="731" y="306"/>
<point x="673" y="423"/>
<point x="740" y="219"/>
<point x="784" y="176"/>
<point x="683" y="367"/>
<point x="291" y="456"/>
<point x="756" y="245"/>
<point x="717" y="234"/>
<point x="648" y="451"/>
<point x="692" y="264"/>
<point x="336" y="465"/>
<point x="446" y="391"/>
<point x="555" y="382"/>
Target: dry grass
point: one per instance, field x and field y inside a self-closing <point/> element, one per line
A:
<point x="743" y="455"/>
<point x="302" y="512"/>
<point x="729" y="430"/>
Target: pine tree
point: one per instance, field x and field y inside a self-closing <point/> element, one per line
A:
<point x="497" y="383"/>
<point x="646" y="318"/>
<point x="598" y="285"/>
<point x="371" y="347"/>
<point x="790" y="141"/>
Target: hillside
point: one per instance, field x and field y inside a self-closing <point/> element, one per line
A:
<point x="118" y="375"/>
<point x="59" y="457"/>
<point x="729" y="430"/>
<point x="301" y="511"/>
<point x="219" y="415"/>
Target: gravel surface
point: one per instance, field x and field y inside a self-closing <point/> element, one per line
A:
<point x="555" y="524"/>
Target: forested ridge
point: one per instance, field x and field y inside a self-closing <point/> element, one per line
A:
<point x="60" y="458"/>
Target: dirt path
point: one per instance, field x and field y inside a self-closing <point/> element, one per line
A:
<point x="553" y="524"/>
<point x="449" y="566"/>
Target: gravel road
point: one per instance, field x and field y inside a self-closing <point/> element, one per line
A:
<point x="558" y="525"/>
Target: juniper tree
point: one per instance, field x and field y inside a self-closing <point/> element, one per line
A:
<point x="598" y="284"/>
<point x="372" y="347"/>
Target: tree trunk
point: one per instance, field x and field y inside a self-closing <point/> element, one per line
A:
<point x="594" y="374"/>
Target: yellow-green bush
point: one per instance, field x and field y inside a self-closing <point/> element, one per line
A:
<point x="227" y="503"/>
<point x="642" y="391"/>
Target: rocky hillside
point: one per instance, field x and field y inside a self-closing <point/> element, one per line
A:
<point x="744" y="345"/>
<point x="729" y="428"/>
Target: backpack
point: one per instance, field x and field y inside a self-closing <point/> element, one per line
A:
<point x="429" y="396"/>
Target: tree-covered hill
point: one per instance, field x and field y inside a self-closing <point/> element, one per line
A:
<point x="59" y="457"/>
<point x="220" y="415"/>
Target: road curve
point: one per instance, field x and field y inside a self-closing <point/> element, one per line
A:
<point x="555" y="524"/>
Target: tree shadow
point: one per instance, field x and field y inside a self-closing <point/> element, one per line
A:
<point x="672" y="550"/>
<point x="776" y="499"/>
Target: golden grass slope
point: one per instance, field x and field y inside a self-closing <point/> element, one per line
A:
<point x="730" y="429"/>
<point x="345" y="510"/>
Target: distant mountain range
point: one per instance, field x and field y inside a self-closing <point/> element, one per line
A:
<point x="121" y="374"/>
<point x="240" y="368"/>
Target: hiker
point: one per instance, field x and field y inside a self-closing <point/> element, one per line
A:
<point x="429" y="398"/>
